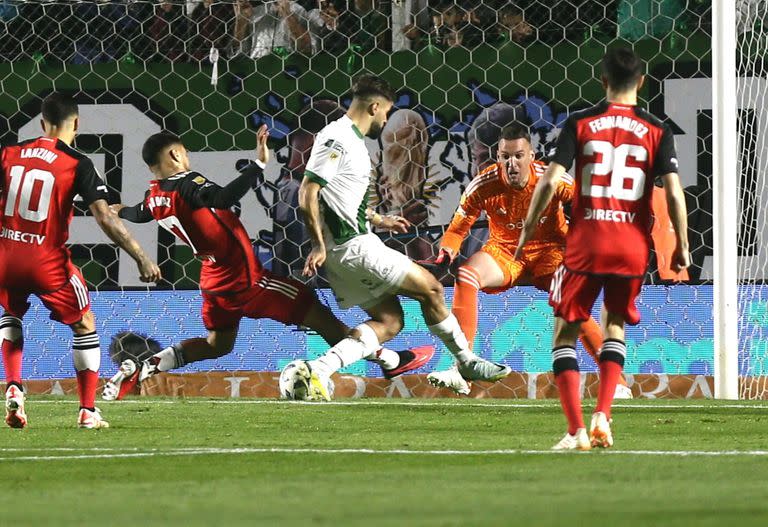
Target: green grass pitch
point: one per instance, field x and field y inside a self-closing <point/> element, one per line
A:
<point x="383" y="462"/>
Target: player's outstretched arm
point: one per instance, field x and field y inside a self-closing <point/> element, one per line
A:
<point x="545" y="189"/>
<point x="309" y="203"/>
<point x="678" y="214"/>
<point x="115" y="229"/>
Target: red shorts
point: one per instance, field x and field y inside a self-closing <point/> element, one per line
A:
<point x="573" y="295"/>
<point x="67" y="304"/>
<point x="282" y="299"/>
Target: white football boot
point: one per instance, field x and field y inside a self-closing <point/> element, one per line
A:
<point x="622" y="392"/>
<point x="600" y="431"/>
<point x="15" y="416"/>
<point x="91" y="419"/>
<point x="578" y="441"/>
<point x="480" y="369"/>
<point x="451" y="379"/>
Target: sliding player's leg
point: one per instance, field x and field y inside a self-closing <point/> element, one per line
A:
<point x="12" y="342"/>
<point x="131" y="373"/>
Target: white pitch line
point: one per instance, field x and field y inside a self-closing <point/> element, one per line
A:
<point x="460" y="403"/>
<point x="388" y="452"/>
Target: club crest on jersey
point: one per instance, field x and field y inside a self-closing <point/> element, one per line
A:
<point x="199" y="180"/>
<point x="158" y="201"/>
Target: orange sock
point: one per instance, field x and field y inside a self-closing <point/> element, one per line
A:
<point x="592" y="338"/>
<point x="465" y="301"/>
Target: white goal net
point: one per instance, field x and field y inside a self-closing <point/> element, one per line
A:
<point x="752" y="99"/>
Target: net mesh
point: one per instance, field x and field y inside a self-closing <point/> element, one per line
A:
<point x="752" y="93"/>
<point x="215" y="71"/>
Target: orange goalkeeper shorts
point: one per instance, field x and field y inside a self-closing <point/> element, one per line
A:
<point x="538" y="262"/>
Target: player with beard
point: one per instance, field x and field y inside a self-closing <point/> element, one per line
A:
<point x="360" y="268"/>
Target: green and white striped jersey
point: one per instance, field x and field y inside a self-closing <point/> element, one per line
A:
<point x="340" y="164"/>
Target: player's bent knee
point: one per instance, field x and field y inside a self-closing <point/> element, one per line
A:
<point x="221" y="342"/>
<point x="432" y="293"/>
<point x="85" y="325"/>
<point x="392" y="325"/>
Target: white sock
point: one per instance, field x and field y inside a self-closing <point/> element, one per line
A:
<point x="169" y="359"/>
<point x="388" y="359"/>
<point x="348" y="351"/>
<point x="86" y="353"/>
<point x="450" y="333"/>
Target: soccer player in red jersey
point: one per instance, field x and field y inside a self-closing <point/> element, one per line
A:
<point x="503" y="191"/>
<point x="619" y="149"/>
<point x="39" y="180"/>
<point x="232" y="280"/>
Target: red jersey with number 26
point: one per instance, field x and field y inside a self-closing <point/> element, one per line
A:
<point x="39" y="180"/>
<point x="618" y="150"/>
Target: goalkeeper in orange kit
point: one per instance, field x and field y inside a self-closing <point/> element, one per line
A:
<point x="504" y="191"/>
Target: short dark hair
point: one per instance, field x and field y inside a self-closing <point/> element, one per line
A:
<point x="622" y="68"/>
<point x="155" y="144"/>
<point x="515" y="131"/>
<point x="367" y="86"/>
<point x="58" y="107"/>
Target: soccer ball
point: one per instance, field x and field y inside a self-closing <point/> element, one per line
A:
<point x="294" y="383"/>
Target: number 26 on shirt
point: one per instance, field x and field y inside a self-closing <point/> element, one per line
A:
<point x="613" y="160"/>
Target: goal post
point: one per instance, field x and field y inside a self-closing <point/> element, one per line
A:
<point x="725" y="200"/>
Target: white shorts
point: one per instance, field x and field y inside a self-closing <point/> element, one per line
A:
<point x="363" y="270"/>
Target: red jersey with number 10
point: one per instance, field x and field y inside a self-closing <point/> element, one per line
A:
<point x="39" y="180"/>
<point x="619" y="150"/>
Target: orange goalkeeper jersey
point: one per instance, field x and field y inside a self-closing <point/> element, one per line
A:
<point x="506" y="208"/>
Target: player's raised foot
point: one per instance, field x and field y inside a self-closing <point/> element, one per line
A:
<point x="577" y="441"/>
<point x="122" y="383"/>
<point x="600" y="431"/>
<point x="480" y="369"/>
<point x="410" y="360"/>
<point x="622" y="392"/>
<point x="91" y="419"/>
<point x="128" y="376"/>
<point x="451" y="379"/>
<point x="15" y="416"/>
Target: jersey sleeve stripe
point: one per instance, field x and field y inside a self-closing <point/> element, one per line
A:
<point x="478" y="182"/>
<point x="315" y="178"/>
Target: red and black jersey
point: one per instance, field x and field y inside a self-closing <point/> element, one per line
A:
<point x="619" y="150"/>
<point x="39" y="180"/>
<point x="181" y="205"/>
